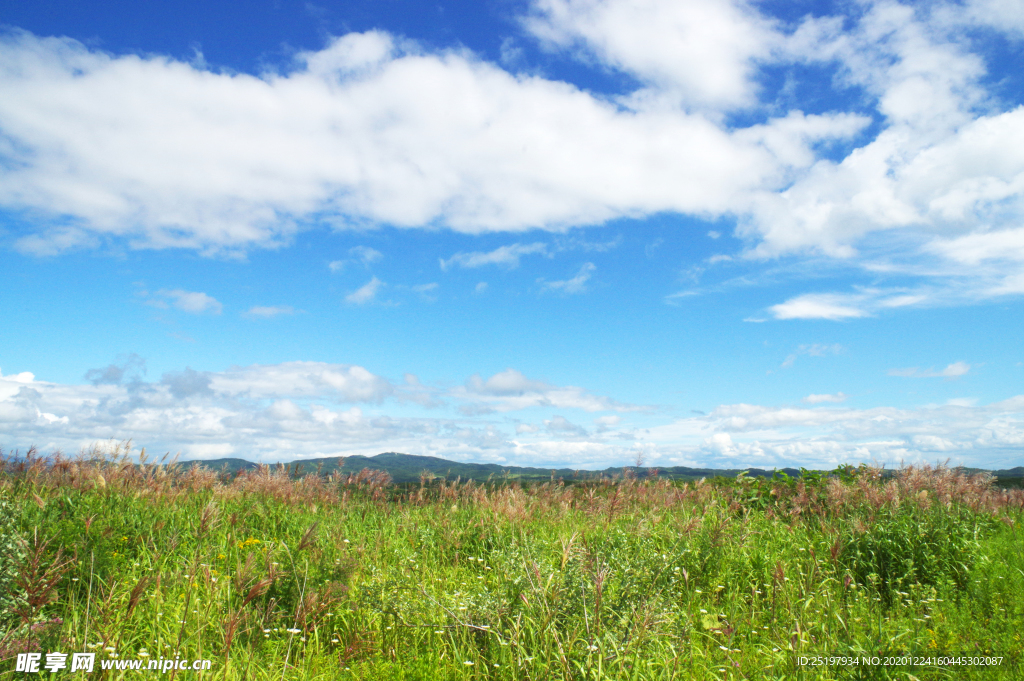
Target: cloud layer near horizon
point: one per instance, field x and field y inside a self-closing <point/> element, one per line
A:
<point x="311" y="409"/>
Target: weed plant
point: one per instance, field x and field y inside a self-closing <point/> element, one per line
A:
<point x="274" y="576"/>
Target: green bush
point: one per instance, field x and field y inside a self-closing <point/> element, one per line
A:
<point x="12" y="553"/>
<point x="905" y="546"/>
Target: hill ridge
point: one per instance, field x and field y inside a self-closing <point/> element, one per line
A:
<point x="408" y="468"/>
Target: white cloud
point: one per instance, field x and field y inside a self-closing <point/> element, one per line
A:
<point x="342" y="382"/>
<point x="577" y="284"/>
<point x="270" y="311"/>
<point x="365" y="254"/>
<point x="151" y="152"/>
<point x="129" y="368"/>
<point x="813" y="350"/>
<point x="426" y="288"/>
<point x="825" y="399"/>
<point x="366" y="293"/>
<point x="427" y="292"/>
<point x="125" y="147"/>
<point x="954" y="370"/>
<point x="505" y="256"/>
<point x="945" y="161"/>
<point x="480" y="287"/>
<point x="701" y="51"/>
<point x="819" y="306"/>
<point x="193" y="302"/>
<point x="1001" y="15"/>
<point x="362" y="255"/>
<point x="510" y="390"/>
<point x="992" y="260"/>
<point x="559" y="425"/>
<point x="302" y="409"/>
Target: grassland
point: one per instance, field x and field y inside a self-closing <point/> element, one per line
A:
<point x="273" y="576"/>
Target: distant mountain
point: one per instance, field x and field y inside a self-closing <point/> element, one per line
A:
<point x="409" y="467"/>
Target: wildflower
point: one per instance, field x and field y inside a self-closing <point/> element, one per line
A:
<point x="468" y="663"/>
<point x="294" y="631"/>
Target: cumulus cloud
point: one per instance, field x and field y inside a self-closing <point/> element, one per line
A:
<point x="560" y="425"/>
<point x="304" y="409"/>
<point x="130" y="368"/>
<point x="510" y="390"/>
<point x="703" y="52"/>
<point x="365" y="293"/>
<point x="346" y="383"/>
<point x="186" y="383"/>
<point x="375" y="130"/>
<point x="364" y="129"/>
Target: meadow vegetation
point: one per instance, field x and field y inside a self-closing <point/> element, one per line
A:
<point x="276" y="576"/>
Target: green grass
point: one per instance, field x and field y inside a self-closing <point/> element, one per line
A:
<point x="620" y="579"/>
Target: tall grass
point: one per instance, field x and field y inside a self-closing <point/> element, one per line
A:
<point x="276" y="576"/>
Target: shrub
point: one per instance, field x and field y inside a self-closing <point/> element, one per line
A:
<point x="12" y="553"/>
<point x="909" y="545"/>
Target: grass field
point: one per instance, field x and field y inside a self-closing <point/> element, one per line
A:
<point x="270" y="576"/>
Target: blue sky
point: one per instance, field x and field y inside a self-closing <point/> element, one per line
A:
<point x="559" y="232"/>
